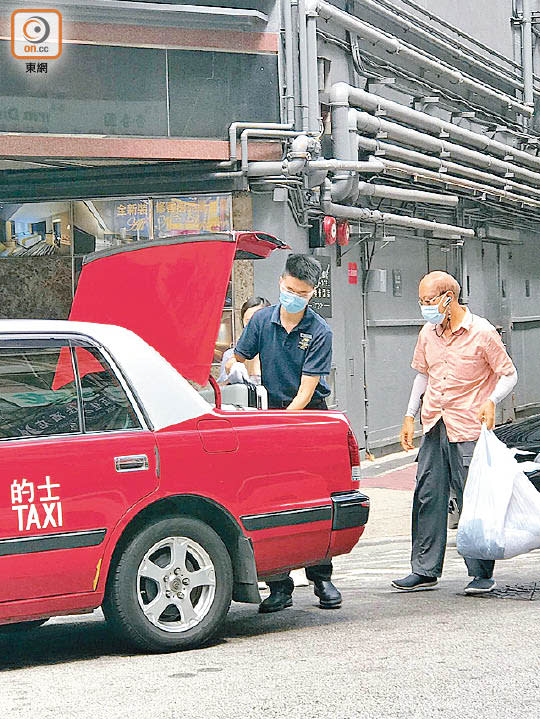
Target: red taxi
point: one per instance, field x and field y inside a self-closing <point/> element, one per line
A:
<point x="122" y="487"/>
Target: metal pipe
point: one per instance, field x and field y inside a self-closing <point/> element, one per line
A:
<point x="296" y="68"/>
<point x="443" y="178"/>
<point x="235" y="126"/>
<point x="289" y="77"/>
<point x="456" y="30"/>
<point x="393" y="45"/>
<point x="314" y="110"/>
<point x="304" y="67"/>
<point x="369" y="166"/>
<point x="436" y="163"/>
<point x="388" y="192"/>
<point x="299" y="148"/>
<point x="253" y="132"/>
<point x="446" y="45"/>
<point x="343" y="122"/>
<point x="527" y="53"/>
<point x="386" y="218"/>
<point x="294" y="167"/>
<point x="341" y="92"/>
<point x="513" y="69"/>
<point x="407" y="136"/>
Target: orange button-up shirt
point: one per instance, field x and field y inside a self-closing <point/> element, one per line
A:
<point x="462" y="371"/>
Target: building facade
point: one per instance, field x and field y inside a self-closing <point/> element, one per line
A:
<point x="407" y="127"/>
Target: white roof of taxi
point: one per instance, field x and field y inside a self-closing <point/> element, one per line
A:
<point x="166" y="396"/>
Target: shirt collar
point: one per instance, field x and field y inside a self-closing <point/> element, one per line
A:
<point x="304" y="322"/>
<point x="466" y="322"/>
<point x="275" y="315"/>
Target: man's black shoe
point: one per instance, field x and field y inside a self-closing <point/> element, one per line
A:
<point x="414" y="582"/>
<point x="280" y="596"/>
<point x="275" y="602"/>
<point x="329" y="596"/>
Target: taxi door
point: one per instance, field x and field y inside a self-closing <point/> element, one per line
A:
<point x="74" y="457"/>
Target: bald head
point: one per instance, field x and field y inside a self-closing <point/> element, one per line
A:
<point x="436" y="283"/>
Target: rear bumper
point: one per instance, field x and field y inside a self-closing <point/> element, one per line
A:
<point x="349" y="516"/>
<point x="349" y="509"/>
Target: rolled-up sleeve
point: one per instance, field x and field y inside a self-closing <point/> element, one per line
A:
<point x="496" y="355"/>
<point x="318" y="360"/>
<point x="248" y="342"/>
<point x="419" y="362"/>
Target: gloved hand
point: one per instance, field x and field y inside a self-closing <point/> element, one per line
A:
<point x="238" y="374"/>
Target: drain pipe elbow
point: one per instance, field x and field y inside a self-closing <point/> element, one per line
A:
<point x="316" y="178"/>
<point x="300" y="147"/>
<point x="342" y="186"/>
<point x="339" y="93"/>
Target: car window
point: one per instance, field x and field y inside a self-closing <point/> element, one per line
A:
<point x="106" y="406"/>
<point x="34" y="400"/>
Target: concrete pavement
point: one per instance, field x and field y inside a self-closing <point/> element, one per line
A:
<point x="383" y="655"/>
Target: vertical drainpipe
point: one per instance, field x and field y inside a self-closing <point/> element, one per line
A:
<point x="304" y="71"/>
<point x="341" y="142"/>
<point x="314" y="109"/>
<point x="289" y="74"/>
<point x="296" y="68"/>
<point x="527" y="53"/>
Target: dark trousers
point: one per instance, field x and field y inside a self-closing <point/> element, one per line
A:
<point x="442" y="465"/>
<point x="319" y="572"/>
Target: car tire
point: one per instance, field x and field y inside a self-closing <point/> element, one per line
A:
<point x="22" y="626"/>
<point x="171" y="587"/>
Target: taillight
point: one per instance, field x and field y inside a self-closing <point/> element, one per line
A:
<point x="354" y="455"/>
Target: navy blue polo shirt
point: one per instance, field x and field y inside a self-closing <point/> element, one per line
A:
<point x="285" y="357"/>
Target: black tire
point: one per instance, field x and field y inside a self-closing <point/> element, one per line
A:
<point x="22" y="626"/>
<point x="126" y="594"/>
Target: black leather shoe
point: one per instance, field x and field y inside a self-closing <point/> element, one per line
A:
<point x="329" y="596"/>
<point x="280" y="596"/>
<point x="276" y="602"/>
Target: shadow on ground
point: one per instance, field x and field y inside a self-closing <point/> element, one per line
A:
<point x="86" y="638"/>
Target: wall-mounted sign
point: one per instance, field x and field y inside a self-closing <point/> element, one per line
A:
<point x="189" y="214"/>
<point x="133" y="217"/>
<point x="321" y="301"/>
<point x="353" y="273"/>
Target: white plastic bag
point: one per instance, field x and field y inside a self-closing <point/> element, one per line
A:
<point x="501" y="508"/>
<point x="522" y="522"/>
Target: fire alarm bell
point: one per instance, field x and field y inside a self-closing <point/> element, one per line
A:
<point x="330" y="230"/>
<point x="343" y="233"/>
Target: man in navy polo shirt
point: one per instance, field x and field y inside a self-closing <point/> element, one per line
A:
<point x="294" y="345"/>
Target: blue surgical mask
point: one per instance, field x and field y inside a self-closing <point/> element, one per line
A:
<point x="291" y="302"/>
<point x="431" y="314"/>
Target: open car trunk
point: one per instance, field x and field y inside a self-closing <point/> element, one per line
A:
<point x="170" y="292"/>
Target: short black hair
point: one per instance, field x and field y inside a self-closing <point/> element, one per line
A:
<point x="303" y="267"/>
<point x="253" y="302"/>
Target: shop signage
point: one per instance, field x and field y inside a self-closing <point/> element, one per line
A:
<point x="353" y="273"/>
<point x="133" y="216"/>
<point x="192" y="214"/>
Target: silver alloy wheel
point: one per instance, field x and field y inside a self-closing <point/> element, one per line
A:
<point x="176" y="584"/>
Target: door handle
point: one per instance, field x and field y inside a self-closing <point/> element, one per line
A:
<point x="131" y="463"/>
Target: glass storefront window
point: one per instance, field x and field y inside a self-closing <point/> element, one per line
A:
<point x="102" y="224"/>
<point x="35" y="229"/>
<point x="44" y="245"/>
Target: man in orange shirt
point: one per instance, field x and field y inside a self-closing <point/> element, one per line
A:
<point x="463" y="372"/>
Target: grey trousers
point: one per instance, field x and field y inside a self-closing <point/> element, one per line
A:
<point x="442" y="465"/>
